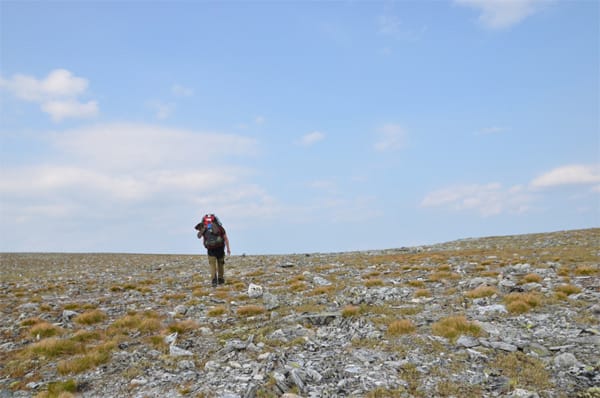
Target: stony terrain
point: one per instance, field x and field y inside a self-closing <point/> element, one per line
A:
<point x="512" y="316"/>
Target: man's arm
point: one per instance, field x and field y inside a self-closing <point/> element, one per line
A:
<point x="226" y="239"/>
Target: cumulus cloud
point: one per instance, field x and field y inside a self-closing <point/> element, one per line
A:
<point x="486" y="199"/>
<point x="311" y="138"/>
<point x="130" y="145"/>
<point x="59" y="110"/>
<point x="575" y="174"/>
<point x="391" y="137"/>
<point x="121" y="164"/>
<point x="494" y="199"/>
<point x="57" y="93"/>
<point x="502" y="14"/>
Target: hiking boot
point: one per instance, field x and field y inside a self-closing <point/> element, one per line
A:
<point x="214" y="282"/>
<point x="221" y="281"/>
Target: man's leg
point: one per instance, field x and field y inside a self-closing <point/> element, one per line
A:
<point x="221" y="264"/>
<point x="212" y="262"/>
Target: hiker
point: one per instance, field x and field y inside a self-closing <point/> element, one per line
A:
<point x="215" y="240"/>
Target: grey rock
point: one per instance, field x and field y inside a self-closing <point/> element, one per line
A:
<point x="181" y="309"/>
<point x="270" y="301"/>
<point x="179" y="352"/>
<point x="500" y="345"/>
<point x="317" y="280"/>
<point x="467" y="342"/>
<point x="565" y="360"/>
<point x="521" y="393"/>
<point x="494" y="308"/>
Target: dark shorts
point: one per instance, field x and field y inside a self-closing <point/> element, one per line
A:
<point x="218" y="252"/>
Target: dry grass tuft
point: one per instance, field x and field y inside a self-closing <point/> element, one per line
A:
<point x="531" y="278"/>
<point x="520" y="303"/>
<point x="217" y="311"/>
<point x="327" y="290"/>
<point x="523" y="370"/>
<point x="147" y="322"/>
<point x="443" y="275"/>
<point x="481" y="291"/>
<point x="585" y="270"/>
<point x="400" y="327"/>
<point x="174" y="296"/>
<point x="60" y="389"/>
<point x="374" y="282"/>
<point x="90" y="360"/>
<point x="250" y="310"/>
<point x="183" y="326"/>
<point x="297" y="286"/>
<point x="454" y="326"/>
<point x="350" y="310"/>
<point x="90" y="317"/>
<point x="45" y="329"/>
<point x="568" y="289"/>
<point x="54" y="347"/>
<point x="416" y="283"/>
<point x="422" y="293"/>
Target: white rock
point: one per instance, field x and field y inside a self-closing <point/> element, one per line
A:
<point x="179" y="352"/>
<point x="255" y="291"/>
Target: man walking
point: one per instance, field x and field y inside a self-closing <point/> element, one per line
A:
<point x="215" y="241"/>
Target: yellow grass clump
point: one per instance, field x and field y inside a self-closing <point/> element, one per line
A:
<point x="45" y="329"/>
<point x="350" y="310"/>
<point x="60" y="389"/>
<point x="90" y="360"/>
<point x="400" y="327"/>
<point x="183" y="326"/>
<point x="520" y="303"/>
<point x="217" y="311"/>
<point x="250" y="310"/>
<point x="481" y="291"/>
<point x="422" y="293"/>
<point x="585" y="270"/>
<point x="568" y="289"/>
<point x="54" y="347"/>
<point x="373" y="282"/>
<point x="531" y="278"/>
<point x="147" y="322"/>
<point x="90" y="317"/>
<point x="319" y="290"/>
<point x="454" y="326"/>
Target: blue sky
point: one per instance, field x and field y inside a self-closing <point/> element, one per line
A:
<point x="305" y="126"/>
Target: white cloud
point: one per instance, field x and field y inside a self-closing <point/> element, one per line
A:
<point x="502" y="14"/>
<point x="127" y="145"/>
<point x="60" y="83"/>
<point x="487" y="199"/>
<point x="259" y="119"/>
<point x="125" y="170"/>
<point x="59" y="110"/>
<point x="311" y="138"/>
<point x="181" y="91"/>
<point x="494" y="199"/>
<point x="56" y="93"/>
<point x="576" y="174"/>
<point x="391" y="137"/>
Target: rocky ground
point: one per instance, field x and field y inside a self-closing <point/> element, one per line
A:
<point x="509" y="316"/>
